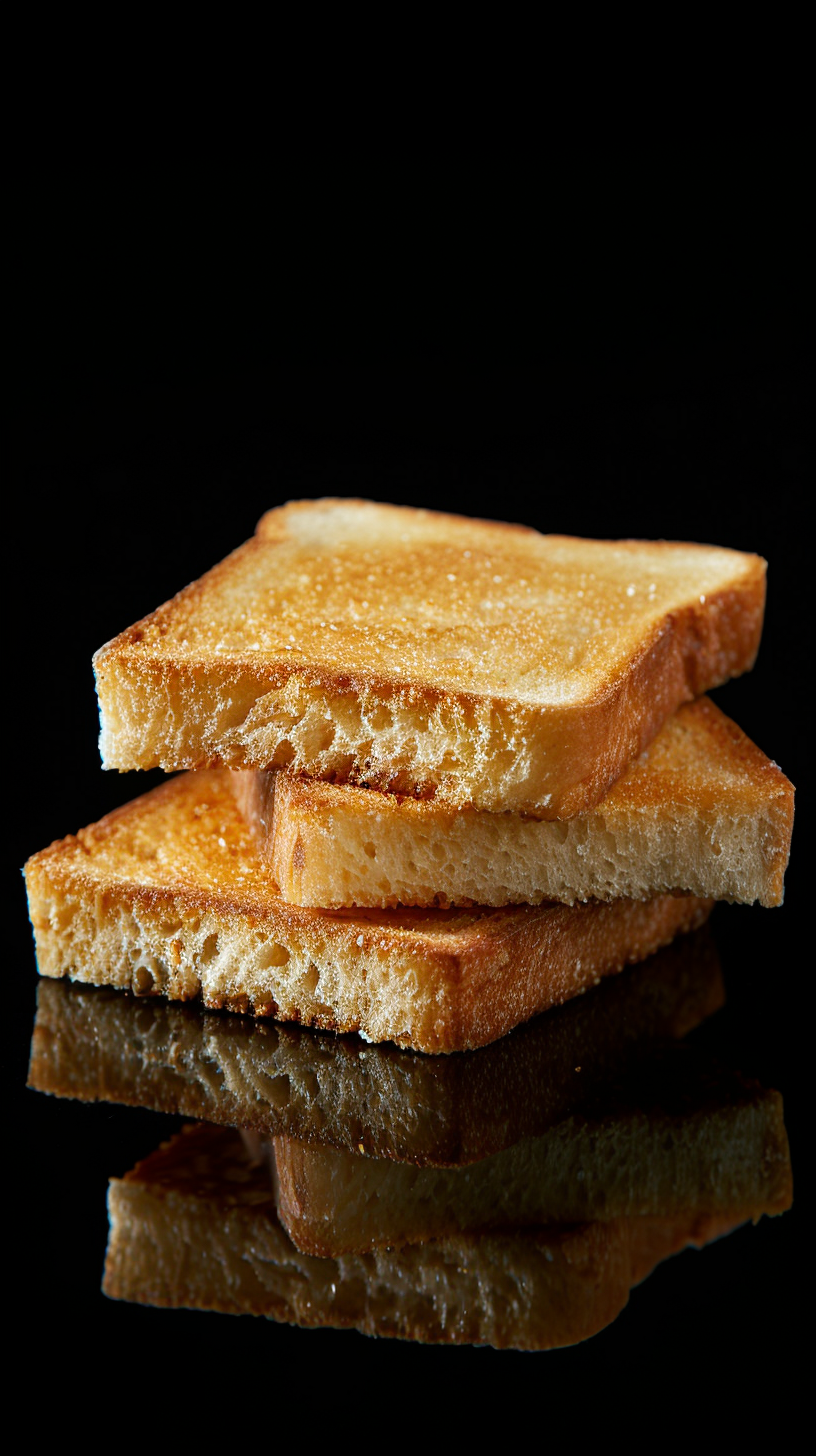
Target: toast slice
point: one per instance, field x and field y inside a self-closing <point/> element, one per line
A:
<point x="194" y="1226"/>
<point x="97" y="1044"/>
<point x="701" y="811"/>
<point x="410" y="651"/>
<point x="168" y="895"/>
<point x="695" y="1140"/>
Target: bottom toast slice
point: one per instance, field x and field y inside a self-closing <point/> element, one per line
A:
<point x="169" y="896"/>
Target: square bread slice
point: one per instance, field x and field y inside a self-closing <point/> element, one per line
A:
<point x="168" y="895"/>
<point x="433" y="655"/>
<point x="702" y="811"/>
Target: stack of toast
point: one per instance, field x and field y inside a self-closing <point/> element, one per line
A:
<point x="438" y="776"/>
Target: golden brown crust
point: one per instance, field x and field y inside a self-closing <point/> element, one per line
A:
<point x="168" y="895"/>
<point x="483" y="664"/>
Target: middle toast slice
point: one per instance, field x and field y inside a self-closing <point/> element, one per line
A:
<point x="703" y="811"/>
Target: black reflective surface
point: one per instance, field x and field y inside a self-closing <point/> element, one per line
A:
<point x="132" y="515"/>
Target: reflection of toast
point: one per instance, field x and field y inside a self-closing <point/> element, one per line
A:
<point x="194" y="1226"/>
<point x="168" y="895"/>
<point x="702" y="811"/>
<point x="94" y="1043"/>
<point x="677" y="1137"/>
<point x="429" y="654"/>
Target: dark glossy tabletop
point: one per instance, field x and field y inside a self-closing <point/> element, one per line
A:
<point x="116" y="526"/>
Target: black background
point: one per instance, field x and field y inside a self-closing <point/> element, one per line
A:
<point x="126" y="490"/>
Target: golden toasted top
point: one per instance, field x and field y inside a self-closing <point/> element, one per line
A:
<point x="459" y="605"/>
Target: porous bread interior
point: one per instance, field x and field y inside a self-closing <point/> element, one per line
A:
<point x="725" y="1159"/>
<point x="702" y="811"/>
<point x="168" y="895"/>
<point x="212" y="1241"/>
<point x="368" y="644"/>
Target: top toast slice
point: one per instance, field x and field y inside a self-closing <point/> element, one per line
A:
<point x="481" y="663"/>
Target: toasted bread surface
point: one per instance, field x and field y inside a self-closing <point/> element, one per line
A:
<point x="476" y="662"/>
<point x="168" y="895"/>
<point x="701" y="811"/>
